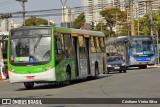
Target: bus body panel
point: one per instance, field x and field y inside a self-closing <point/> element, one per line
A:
<point x="61" y="69"/>
<point x="93" y="59"/>
<point x="34" y="77"/>
<point x="150" y="61"/>
<point x="99" y="58"/>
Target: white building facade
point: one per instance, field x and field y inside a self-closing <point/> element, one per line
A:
<point x="68" y="14"/>
<point x="92" y="8"/>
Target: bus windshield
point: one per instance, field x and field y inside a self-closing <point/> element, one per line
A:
<point x="142" y="48"/>
<point x="30" y="49"/>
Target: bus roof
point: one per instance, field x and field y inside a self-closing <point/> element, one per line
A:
<point x="74" y="32"/>
<point x="117" y="38"/>
<point x="66" y="30"/>
<point x="30" y="27"/>
<point x="87" y="32"/>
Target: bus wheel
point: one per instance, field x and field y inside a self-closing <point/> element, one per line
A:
<point x="143" y="67"/>
<point x="120" y="71"/>
<point x="29" y="85"/>
<point x="107" y="72"/>
<point x="124" y="70"/>
<point x="68" y="76"/>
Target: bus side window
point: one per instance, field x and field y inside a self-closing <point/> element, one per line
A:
<point x="102" y="44"/>
<point x="68" y="46"/>
<point x="58" y="50"/>
<point x="97" y="45"/>
<point x="81" y="47"/>
<point x="93" y="49"/>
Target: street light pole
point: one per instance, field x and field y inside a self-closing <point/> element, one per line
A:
<point x="151" y="18"/>
<point x="23" y="9"/>
<point x="132" y="18"/>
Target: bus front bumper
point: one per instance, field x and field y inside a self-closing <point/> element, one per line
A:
<point x="35" y="77"/>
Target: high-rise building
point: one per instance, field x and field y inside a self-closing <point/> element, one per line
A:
<point x="92" y="9"/>
<point x="7" y="25"/>
<point x="144" y="6"/>
<point x="68" y="15"/>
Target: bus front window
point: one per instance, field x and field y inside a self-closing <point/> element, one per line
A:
<point x="31" y="49"/>
<point x="142" y="48"/>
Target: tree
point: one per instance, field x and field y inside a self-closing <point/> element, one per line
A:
<point x="77" y="23"/>
<point x="33" y="21"/>
<point x="112" y="17"/>
<point x="102" y="27"/>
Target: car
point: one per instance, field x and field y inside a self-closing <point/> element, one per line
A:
<point x="116" y="63"/>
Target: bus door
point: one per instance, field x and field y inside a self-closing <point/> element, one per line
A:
<point x="83" y="57"/>
<point x="126" y="54"/>
<point x="87" y="54"/>
<point x="75" y="49"/>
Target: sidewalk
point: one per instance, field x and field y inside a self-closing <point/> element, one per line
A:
<point x="156" y="65"/>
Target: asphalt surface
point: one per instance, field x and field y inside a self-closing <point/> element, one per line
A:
<point x="136" y="83"/>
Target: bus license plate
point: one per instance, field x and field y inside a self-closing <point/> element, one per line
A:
<point x="116" y="67"/>
<point x="30" y="77"/>
<point x="143" y="62"/>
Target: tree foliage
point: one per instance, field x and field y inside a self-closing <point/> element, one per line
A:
<point x="77" y="23"/>
<point x="113" y="16"/>
<point x="102" y="27"/>
<point x="145" y="25"/>
<point x="33" y="21"/>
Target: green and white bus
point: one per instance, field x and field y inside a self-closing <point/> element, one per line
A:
<point x="45" y="54"/>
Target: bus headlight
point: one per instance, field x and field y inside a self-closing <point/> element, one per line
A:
<point x="123" y="64"/>
<point x="109" y="65"/>
<point x="12" y="70"/>
<point x="48" y="67"/>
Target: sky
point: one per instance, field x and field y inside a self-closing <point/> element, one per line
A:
<point x="7" y="6"/>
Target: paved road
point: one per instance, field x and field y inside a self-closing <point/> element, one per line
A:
<point x="136" y="83"/>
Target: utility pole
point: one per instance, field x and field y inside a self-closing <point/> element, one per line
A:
<point x="63" y="14"/>
<point x="137" y="15"/>
<point x="132" y="18"/>
<point x="116" y="24"/>
<point x="157" y="47"/>
<point x="23" y="9"/>
<point x="92" y="14"/>
<point x="151" y="18"/>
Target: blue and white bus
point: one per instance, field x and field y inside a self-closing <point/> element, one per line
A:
<point x="138" y="51"/>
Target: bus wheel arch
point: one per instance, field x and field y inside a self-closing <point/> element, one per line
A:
<point x="68" y="75"/>
<point x="96" y="69"/>
<point x="29" y="85"/>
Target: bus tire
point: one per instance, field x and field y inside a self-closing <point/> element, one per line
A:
<point x="68" y="76"/>
<point x="120" y="71"/>
<point x="29" y="85"/>
<point x="107" y="72"/>
<point x="124" y="70"/>
<point x="96" y="71"/>
<point x="143" y="67"/>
